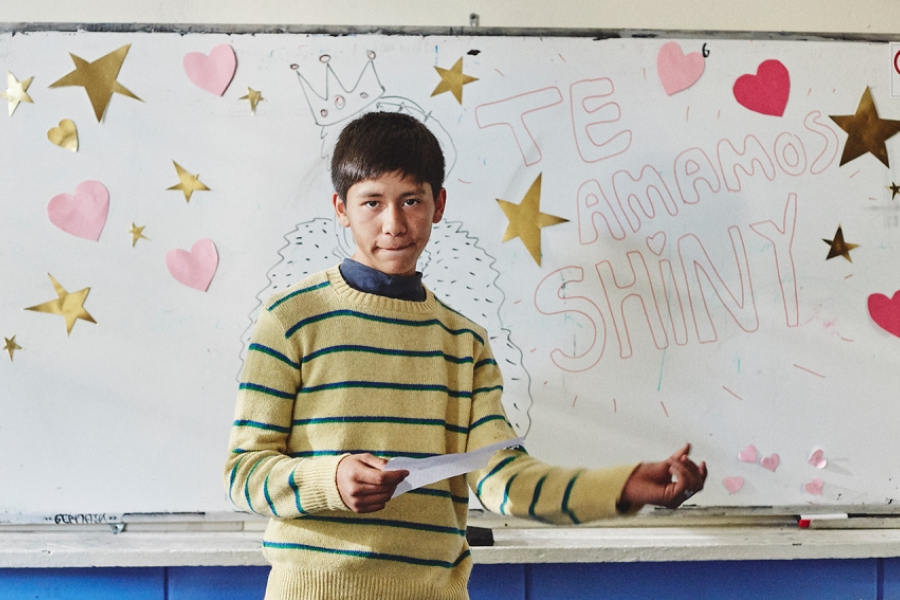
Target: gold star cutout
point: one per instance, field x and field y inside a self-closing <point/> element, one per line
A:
<point x="895" y="189"/>
<point x="15" y="92"/>
<point x="71" y="306"/>
<point x="838" y="246"/>
<point x="254" y="97"/>
<point x="187" y="183"/>
<point x="526" y="220"/>
<point x="137" y="233"/>
<point x="866" y="132"/>
<point x="452" y="80"/>
<point x="98" y="78"/>
<point x="11" y="346"/>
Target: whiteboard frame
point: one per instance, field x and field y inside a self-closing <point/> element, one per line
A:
<point x="741" y="518"/>
<point x="340" y="30"/>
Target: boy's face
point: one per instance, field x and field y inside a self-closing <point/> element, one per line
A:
<point x="390" y="218"/>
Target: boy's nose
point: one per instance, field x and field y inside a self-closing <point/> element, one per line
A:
<point x="394" y="221"/>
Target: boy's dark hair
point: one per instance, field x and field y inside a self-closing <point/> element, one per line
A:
<point x="380" y="142"/>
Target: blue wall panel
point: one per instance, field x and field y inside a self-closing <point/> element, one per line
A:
<point x="869" y="579"/>
<point x="497" y="582"/>
<point x="891" y="579"/>
<point x="217" y="583"/>
<point x="82" y="584"/>
<point x="714" y="580"/>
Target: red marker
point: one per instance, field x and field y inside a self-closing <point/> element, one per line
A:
<point x="805" y="521"/>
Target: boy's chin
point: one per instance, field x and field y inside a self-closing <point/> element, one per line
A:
<point x="399" y="266"/>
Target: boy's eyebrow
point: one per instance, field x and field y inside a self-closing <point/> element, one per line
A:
<point x="377" y="194"/>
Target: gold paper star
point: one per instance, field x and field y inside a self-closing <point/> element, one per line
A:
<point x="71" y="306"/>
<point x="15" y="92"/>
<point x="895" y="189"/>
<point x="866" y="132"/>
<point x="838" y="246"/>
<point x="452" y="80"/>
<point x="137" y="234"/>
<point x="188" y="183"/>
<point x="11" y="346"/>
<point x="526" y="220"/>
<point x="98" y="78"/>
<point x="254" y="97"/>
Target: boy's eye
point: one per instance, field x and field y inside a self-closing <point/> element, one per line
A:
<point x="412" y="201"/>
<point x="371" y="203"/>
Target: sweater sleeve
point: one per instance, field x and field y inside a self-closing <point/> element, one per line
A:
<point x="259" y="474"/>
<point x="519" y="485"/>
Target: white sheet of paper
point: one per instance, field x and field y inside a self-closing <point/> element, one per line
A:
<point x="423" y="471"/>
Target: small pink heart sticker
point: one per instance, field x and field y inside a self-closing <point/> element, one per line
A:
<point x="213" y="73"/>
<point x="84" y="214"/>
<point x="657" y="242"/>
<point x="195" y="268"/>
<point x="886" y="312"/>
<point x="770" y="462"/>
<point x="814" y="487"/>
<point x="766" y="92"/>
<point x="733" y="484"/>
<point x="676" y="70"/>
<point x="817" y="459"/>
<point x="748" y="454"/>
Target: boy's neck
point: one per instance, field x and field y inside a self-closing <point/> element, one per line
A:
<point x="372" y="281"/>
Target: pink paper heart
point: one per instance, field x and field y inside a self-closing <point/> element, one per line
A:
<point x="83" y="214"/>
<point x="886" y="311"/>
<point x="766" y="92"/>
<point x="817" y="459"/>
<point x="676" y="70"/>
<point x="195" y="268"/>
<point x="213" y="73"/>
<point x="657" y="242"/>
<point x="733" y="484"/>
<point x="748" y="454"/>
<point x="770" y="462"/>
<point x="814" y="487"/>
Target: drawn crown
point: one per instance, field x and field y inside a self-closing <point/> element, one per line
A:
<point x="329" y="109"/>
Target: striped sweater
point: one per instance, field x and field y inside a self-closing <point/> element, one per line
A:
<point x="332" y="371"/>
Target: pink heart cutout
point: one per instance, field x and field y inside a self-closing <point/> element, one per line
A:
<point x="748" y="454"/>
<point x="817" y="459"/>
<point x="84" y="214"/>
<point x="886" y="312"/>
<point x="657" y="242"/>
<point x="678" y="71"/>
<point x="814" y="487"/>
<point x="213" y="73"/>
<point x="766" y="92"/>
<point x="195" y="268"/>
<point x="733" y="484"/>
<point x="770" y="462"/>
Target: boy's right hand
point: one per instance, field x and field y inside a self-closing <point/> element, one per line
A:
<point x="363" y="486"/>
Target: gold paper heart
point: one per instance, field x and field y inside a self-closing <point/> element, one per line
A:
<point x="64" y="136"/>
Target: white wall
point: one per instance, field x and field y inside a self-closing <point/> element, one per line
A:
<point x="840" y="16"/>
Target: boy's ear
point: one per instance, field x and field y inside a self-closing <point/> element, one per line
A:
<point x="440" y="203"/>
<point x="340" y="209"/>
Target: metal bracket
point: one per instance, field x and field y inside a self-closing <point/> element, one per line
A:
<point x="117" y="527"/>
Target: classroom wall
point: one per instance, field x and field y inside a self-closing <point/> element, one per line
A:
<point x="862" y="579"/>
<point x="874" y="578"/>
<point x="860" y="17"/>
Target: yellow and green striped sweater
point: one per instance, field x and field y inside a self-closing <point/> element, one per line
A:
<point x="332" y="371"/>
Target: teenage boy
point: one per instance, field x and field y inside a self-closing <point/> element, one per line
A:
<point x="361" y="363"/>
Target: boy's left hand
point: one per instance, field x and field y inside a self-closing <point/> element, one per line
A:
<point x="667" y="483"/>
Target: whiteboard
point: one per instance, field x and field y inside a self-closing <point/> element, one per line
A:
<point x="687" y="298"/>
